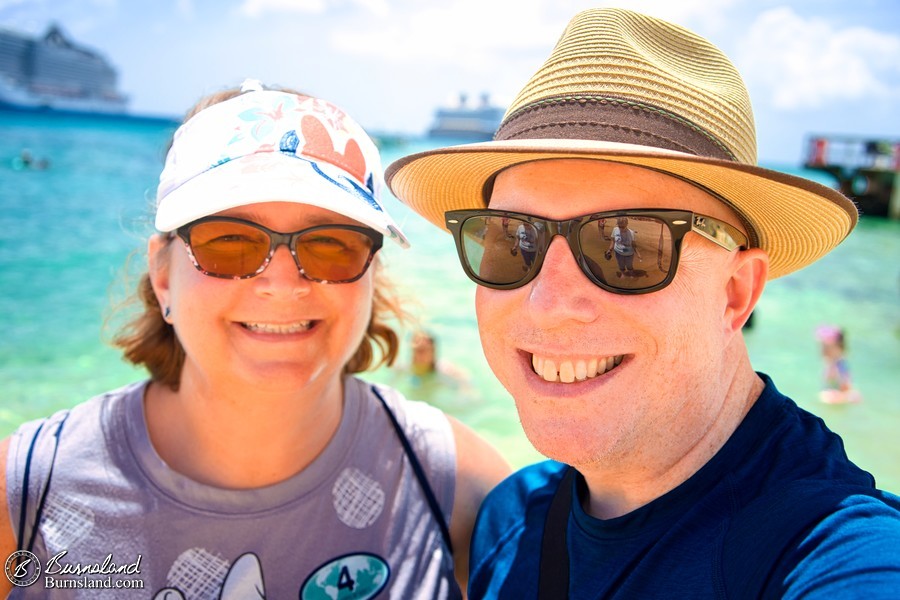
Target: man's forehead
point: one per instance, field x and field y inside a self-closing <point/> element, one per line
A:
<point x="569" y="170"/>
<point x="546" y="187"/>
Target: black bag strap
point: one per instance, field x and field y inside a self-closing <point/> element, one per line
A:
<point x="419" y="473"/>
<point x="21" y="545"/>
<point x="553" y="575"/>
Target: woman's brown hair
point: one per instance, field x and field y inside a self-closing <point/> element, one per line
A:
<point x="148" y="340"/>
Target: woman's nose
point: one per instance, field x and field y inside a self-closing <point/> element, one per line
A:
<point x="282" y="275"/>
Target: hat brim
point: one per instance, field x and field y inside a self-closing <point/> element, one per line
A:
<point x="273" y="177"/>
<point x="793" y="219"/>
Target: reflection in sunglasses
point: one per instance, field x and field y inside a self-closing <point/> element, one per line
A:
<point x="623" y="252"/>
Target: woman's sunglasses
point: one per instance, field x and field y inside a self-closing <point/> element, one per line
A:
<point x="238" y="249"/>
<point x="505" y="250"/>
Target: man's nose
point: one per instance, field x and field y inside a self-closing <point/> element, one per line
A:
<point x="561" y="291"/>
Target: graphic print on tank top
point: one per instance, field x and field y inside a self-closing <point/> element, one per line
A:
<point x="358" y="500"/>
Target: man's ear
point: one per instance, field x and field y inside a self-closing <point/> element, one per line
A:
<point x="158" y="247"/>
<point x="751" y="268"/>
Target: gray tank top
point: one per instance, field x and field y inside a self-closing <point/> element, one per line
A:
<point x="355" y="524"/>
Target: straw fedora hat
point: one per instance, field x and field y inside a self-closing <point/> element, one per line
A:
<point x="629" y="88"/>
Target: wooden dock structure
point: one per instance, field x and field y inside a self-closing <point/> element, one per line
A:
<point x="865" y="169"/>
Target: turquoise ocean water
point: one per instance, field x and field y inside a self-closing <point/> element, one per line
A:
<point x="66" y="233"/>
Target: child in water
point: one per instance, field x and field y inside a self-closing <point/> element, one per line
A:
<point x="432" y="379"/>
<point x="425" y="363"/>
<point x="836" y="377"/>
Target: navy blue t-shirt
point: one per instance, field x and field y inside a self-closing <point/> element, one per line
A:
<point x="711" y="535"/>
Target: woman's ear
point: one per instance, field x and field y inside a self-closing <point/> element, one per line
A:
<point x="745" y="286"/>
<point x="158" y="266"/>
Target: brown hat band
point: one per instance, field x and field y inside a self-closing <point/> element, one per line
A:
<point x="610" y="120"/>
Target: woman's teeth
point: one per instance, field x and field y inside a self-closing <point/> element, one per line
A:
<point x="569" y="371"/>
<point x="281" y="329"/>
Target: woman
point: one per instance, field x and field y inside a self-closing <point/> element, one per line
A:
<point x="251" y="463"/>
<point x="623" y="244"/>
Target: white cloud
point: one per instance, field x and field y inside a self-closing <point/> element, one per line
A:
<point x="379" y="8"/>
<point x="809" y="63"/>
<point x="473" y="34"/>
<point x="256" y="8"/>
<point x="460" y="32"/>
<point x="452" y="46"/>
<point x="78" y="19"/>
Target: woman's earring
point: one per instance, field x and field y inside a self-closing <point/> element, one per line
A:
<point x="166" y="314"/>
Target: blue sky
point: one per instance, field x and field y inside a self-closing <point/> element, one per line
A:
<point x="823" y="66"/>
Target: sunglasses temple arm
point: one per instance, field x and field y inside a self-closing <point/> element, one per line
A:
<point x="719" y="233"/>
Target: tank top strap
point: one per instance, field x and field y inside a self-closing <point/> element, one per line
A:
<point x="418" y="471"/>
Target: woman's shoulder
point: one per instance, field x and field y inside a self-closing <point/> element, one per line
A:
<point x="385" y="414"/>
<point x="412" y="415"/>
<point x="89" y="411"/>
<point x="76" y="436"/>
<point x="79" y="428"/>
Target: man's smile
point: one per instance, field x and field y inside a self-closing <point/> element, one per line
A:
<point x="572" y="370"/>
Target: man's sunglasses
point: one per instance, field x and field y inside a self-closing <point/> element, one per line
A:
<point x="237" y="249"/>
<point x="505" y="250"/>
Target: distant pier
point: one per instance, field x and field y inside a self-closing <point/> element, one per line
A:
<point x="866" y="169"/>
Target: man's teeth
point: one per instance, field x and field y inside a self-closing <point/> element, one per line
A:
<point x="279" y="329"/>
<point x="569" y="371"/>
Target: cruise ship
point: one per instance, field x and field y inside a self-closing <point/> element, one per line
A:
<point x="467" y="123"/>
<point x="54" y="73"/>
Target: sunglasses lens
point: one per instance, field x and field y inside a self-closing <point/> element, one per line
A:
<point x="632" y="253"/>
<point x="499" y="250"/>
<point x="334" y="254"/>
<point x="628" y="254"/>
<point x="228" y="249"/>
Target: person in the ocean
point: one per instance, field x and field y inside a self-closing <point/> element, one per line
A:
<point x="26" y="160"/>
<point x="428" y="375"/>
<point x="837" y="385"/>
<point x="426" y="362"/>
<point x="253" y="462"/>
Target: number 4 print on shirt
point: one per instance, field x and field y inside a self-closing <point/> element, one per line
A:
<point x="358" y="576"/>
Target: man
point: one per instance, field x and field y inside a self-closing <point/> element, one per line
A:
<point x="677" y="471"/>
